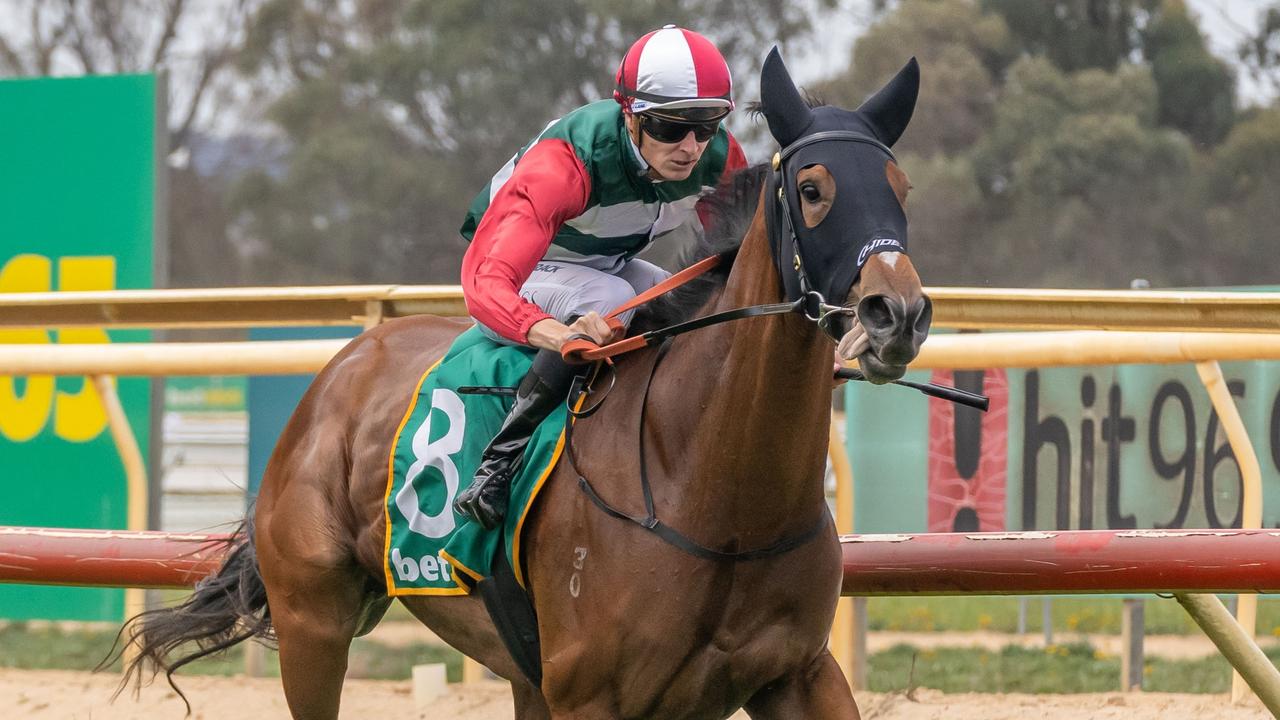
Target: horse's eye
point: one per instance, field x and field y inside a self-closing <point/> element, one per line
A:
<point x="810" y="192"/>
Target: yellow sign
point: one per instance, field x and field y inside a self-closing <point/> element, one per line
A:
<point x="27" y="404"/>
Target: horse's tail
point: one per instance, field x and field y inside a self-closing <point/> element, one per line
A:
<point x="227" y="608"/>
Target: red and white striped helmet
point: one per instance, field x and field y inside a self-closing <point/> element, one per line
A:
<point x="671" y="69"/>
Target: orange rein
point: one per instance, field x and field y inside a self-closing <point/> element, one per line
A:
<point x="584" y="351"/>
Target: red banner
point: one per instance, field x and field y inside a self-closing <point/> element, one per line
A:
<point x="968" y="455"/>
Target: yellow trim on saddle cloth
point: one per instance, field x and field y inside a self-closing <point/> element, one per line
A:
<point x="516" y="563"/>
<point x="469" y="582"/>
<point x="391" y="477"/>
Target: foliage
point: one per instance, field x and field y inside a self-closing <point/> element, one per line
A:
<point x="195" y="46"/>
<point x="1072" y="34"/>
<point x="397" y="111"/>
<point x="1196" y="89"/>
<point x="962" y="52"/>
<point x="1064" y="142"/>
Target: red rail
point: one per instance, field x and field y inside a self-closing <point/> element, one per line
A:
<point x="107" y="558"/>
<point x="1067" y="562"/>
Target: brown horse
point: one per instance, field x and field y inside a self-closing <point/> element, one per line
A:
<point x="734" y="440"/>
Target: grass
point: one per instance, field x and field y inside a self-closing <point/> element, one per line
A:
<point x="1075" y="668"/>
<point x="52" y="648"/>
<point x="1071" y="614"/>
<point x="1056" y="669"/>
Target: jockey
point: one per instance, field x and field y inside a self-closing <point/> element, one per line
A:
<point x="553" y="237"/>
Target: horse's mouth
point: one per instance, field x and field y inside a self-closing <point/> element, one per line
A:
<point x="877" y="371"/>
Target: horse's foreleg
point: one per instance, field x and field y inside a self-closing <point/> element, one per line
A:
<point x="530" y="705"/>
<point x="315" y="611"/>
<point x="817" y="691"/>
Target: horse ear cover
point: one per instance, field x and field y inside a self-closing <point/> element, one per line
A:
<point x="785" y="110"/>
<point x="890" y="109"/>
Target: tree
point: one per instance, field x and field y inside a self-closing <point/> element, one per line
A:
<point x="1072" y="34"/>
<point x="128" y="36"/>
<point x="196" y="44"/>
<point x="396" y="112"/>
<point x="961" y="53"/>
<point x="1196" y="89"/>
<point x="1242" y="187"/>
<point x="1080" y="185"/>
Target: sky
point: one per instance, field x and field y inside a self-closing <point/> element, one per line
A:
<point x="1226" y="23"/>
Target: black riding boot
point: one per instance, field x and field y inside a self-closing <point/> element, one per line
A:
<point x="543" y="387"/>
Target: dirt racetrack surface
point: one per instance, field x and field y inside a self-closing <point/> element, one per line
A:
<point x="46" y="695"/>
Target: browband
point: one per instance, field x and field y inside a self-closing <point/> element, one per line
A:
<point x="846" y="135"/>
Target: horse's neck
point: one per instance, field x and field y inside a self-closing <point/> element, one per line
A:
<point x="756" y="395"/>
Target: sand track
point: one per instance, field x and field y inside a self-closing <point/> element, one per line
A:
<point x="64" y="695"/>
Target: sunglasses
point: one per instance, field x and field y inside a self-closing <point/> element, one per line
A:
<point x="673" y="131"/>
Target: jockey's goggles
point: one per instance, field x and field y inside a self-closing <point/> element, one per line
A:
<point x="666" y="129"/>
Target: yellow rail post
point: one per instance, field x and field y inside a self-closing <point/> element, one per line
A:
<point x="1251" y="484"/>
<point x="844" y="627"/>
<point x="135" y="472"/>
<point x="1236" y="646"/>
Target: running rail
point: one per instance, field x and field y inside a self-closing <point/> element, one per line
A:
<point x="1026" y="563"/>
<point x="1067" y="562"/>
<point x="955" y="307"/>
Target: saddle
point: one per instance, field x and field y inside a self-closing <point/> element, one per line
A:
<point x="456" y="408"/>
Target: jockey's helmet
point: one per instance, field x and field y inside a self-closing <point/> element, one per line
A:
<point x="676" y="72"/>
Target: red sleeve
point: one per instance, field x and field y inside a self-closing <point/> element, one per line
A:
<point x="549" y="186"/>
<point x="735" y="160"/>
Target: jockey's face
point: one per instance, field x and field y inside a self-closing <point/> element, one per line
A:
<point x="667" y="160"/>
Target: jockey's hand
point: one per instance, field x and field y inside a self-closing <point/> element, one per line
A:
<point x="550" y="334"/>
<point x="839" y="363"/>
<point x="594" y="325"/>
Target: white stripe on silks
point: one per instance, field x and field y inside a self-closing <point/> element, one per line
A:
<point x="667" y="55"/>
<point x="629" y="218"/>
<point x="675" y="214"/>
<point x="611" y="264"/>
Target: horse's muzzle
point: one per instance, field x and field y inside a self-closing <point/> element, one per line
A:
<point x="895" y="331"/>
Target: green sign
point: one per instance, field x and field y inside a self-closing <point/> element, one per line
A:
<point x="1133" y="446"/>
<point x="76" y="213"/>
<point x="212" y="394"/>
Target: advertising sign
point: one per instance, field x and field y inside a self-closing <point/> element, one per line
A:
<point x="1133" y="446"/>
<point x="76" y="213"/>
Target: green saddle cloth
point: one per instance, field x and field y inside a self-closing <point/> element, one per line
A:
<point x="430" y="549"/>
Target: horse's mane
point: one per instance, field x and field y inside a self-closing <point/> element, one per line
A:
<point x="729" y="211"/>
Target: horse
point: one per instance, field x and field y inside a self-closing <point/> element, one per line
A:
<point x="729" y="423"/>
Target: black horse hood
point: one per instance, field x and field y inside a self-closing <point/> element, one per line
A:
<point x="853" y="146"/>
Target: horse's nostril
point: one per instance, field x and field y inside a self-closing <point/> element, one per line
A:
<point x="876" y="313"/>
<point x="921" y="314"/>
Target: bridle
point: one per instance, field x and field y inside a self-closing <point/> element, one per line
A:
<point x="800" y="295"/>
<point x="785" y="244"/>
